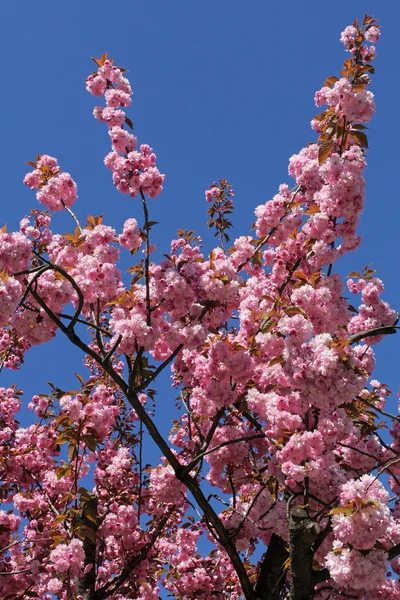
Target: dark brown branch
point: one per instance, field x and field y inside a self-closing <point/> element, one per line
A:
<point x="29" y="284"/>
<point x="198" y="458"/>
<point x="211" y="516"/>
<point x="272" y="572"/>
<point x="159" y="369"/>
<point x="87" y="323"/>
<point x="76" y="341"/>
<point x="384" y="330"/>
<point x="87" y="583"/>
<point x="112" y="350"/>
<point x="72" y="281"/>
<point x="252" y="505"/>
<point x="303" y="533"/>
<point x="394" y="552"/>
<point x="15" y="572"/>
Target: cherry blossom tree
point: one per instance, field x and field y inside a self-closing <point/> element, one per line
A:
<point x="270" y="482"/>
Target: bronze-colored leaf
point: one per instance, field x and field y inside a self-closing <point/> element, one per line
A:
<point x="324" y="152"/>
<point x="312" y="210"/>
<point x="300" y="275"/>
<point x="278" y="360"/>
<point x="330" y="81"/>
<point x="60" y="519"/>
<point x="359" y="137"/>
<point x="72" y="452"/>
<point x="345" y="510"/>
<point x="90" y="442"/>
<point x="295" y="310"/>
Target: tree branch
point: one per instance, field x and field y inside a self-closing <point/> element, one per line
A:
<point x="272" y="572"/>
<point x="384" y="330"/>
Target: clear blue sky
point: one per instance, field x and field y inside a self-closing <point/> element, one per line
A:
<point x="222" y="90"/>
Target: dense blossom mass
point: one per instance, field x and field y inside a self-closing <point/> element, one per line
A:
<point x="270" y="484"/>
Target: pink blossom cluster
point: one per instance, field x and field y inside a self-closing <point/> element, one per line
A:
<point x="95" y="270"/>
<point x="37" y="228"/>
<point x="91" y="264"/>
<point x="15" y="252"/>
<point x="135" y="170"/>
<point x="56" y="189"/>
<point x="130" y="237"/>
<point x="350" y="34"/>
<point x="369" y="514"/>
<point x="373" y="312"/>
<point x="68" y="557"/>
<point x="323" y="372"/>
<point x="164" y="486"/>
<point x="353" y="569"/>
<point x="213" y="192"/>
<point x="10" y="295"/>
<point x="356" y="106"/>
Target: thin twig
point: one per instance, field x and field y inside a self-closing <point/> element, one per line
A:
<point x="73" y="215"/>
<point x="194" y="462"/>
<point x="147" y="256"/>
<point x="113" y="349"/>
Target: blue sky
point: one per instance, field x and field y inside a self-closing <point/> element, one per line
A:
<point x="222" y="90"/>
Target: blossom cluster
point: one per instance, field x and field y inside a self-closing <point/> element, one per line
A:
<point x="56" y="189"/>
<point x="132" y="170"/>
